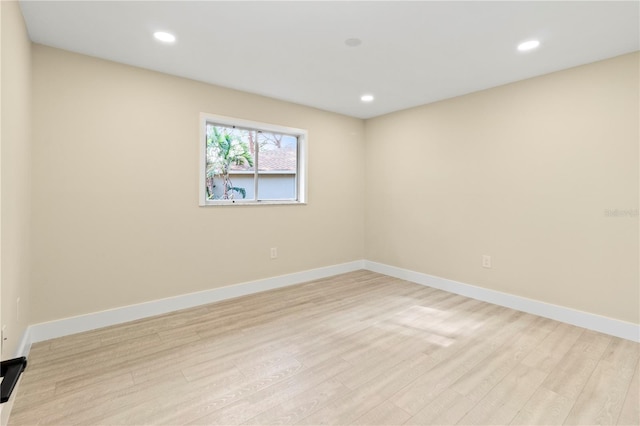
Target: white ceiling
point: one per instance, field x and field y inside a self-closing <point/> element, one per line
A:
<point x="412" y="53"/>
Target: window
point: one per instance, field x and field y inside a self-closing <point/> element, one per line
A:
<point x="245" y="162"/>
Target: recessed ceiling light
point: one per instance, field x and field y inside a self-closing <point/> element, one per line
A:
<point x="164" y="37"/>
<point x="528" y="45"/>
<point x="353" y="42"/>
<point x="366" y="98"/>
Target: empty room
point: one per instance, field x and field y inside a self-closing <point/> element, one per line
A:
<point x="320" y="212"/>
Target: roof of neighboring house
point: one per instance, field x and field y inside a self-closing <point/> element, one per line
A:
<point x="274" y="160"/>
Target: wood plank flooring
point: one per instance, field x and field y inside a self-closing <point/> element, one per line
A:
<point x="359" y="348"/>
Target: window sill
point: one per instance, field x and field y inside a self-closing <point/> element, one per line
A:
<point x="252" y="203"/>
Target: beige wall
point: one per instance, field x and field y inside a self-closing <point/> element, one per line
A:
<point x="524" y="173"/>
<point x="115" y="189"/>
<point x="16" y="172"/>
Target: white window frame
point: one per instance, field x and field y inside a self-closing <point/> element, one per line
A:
<point x="301" y="175"/>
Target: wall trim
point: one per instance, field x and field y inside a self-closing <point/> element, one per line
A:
<point x="602" y="324"/>
<point x="78" y="324"/>
<point x="24" y="345"/>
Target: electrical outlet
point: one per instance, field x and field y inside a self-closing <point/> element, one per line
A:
<point x="486" y="261"/>
<point x="274" y="252"/>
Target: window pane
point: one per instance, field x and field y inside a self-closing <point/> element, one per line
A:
<point x="247" y="161"/>
<point x="277" y="166"/>
<point x="230" y="163"/>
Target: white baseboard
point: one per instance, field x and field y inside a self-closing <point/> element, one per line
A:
<point x="24" y="346"/>
<point x="92" y="321"/>
<point x="613" y="327"/>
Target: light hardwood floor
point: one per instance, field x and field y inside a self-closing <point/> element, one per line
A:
<point x="360" y="348"/>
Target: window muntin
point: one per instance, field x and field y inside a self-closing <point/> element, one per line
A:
<point x="247" y="162"/>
